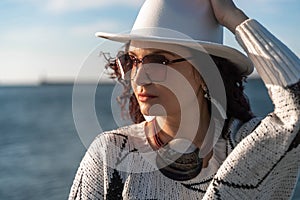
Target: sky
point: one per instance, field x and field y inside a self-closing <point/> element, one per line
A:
<point x="51" y="39"/>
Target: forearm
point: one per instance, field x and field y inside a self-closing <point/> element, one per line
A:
<point x="276" y="64"/>
<point x="234" y="19"/>
<point x="227" y="14"/>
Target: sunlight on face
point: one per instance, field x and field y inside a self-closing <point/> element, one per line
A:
<point x="176" y="92"/>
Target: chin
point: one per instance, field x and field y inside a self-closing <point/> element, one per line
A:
<point x="152" y="109"/>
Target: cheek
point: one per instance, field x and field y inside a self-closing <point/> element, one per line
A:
<point x="193" y="77"/>
<point x="168" y="100"/>
<point x="134" y="88"/>
<point x="184" y="82"/>
<point x="172" y="94"/>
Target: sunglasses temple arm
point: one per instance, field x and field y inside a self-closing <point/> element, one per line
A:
<point x="180" y="60"/>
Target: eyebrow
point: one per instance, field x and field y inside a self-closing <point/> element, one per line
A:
<point x="163" y="51"/>
<point x="159" y="51"/>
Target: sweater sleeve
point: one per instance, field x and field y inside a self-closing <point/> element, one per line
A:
<point x="266" y="163"/>
<point x="89" y="179"/>
<point x="275" y="62"/>
<point x="101" y="173"/>
<point x="278" y="67"/>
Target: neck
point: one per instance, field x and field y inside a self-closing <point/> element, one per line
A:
<point x="170" y="127"/>
<point x="189" y="124"/>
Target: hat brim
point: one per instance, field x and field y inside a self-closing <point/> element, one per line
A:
<point x="242" y="62"/>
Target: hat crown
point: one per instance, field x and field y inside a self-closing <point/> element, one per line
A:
<point x="183" y="22"/>
<point x="193" y="18"/>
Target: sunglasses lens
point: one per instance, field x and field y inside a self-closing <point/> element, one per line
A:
<point x="125" y="63"/>
<point x="154" y="66"/>
<point x="156" y="71"/>
<point x="158" y="59"/>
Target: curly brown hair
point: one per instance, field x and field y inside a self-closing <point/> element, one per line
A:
<point x="237" y="102"/>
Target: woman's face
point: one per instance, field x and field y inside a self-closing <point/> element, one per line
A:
<point x="168" y="96"/>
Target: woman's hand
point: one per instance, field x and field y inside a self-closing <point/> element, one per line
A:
<point x="227" y="14"/>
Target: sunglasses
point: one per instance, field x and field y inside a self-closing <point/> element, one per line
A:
<point x="157" y="71"/>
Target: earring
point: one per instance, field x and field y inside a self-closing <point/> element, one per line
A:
<point x="214" y="102"/>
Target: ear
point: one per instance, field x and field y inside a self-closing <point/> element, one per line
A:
<point x="199" y="80"/>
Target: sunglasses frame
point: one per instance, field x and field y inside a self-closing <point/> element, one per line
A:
<point x="134" y="61"/>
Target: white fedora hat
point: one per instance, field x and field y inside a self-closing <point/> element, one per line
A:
<point x="184" y="22"/>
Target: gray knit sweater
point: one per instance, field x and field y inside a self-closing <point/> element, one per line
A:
<point x="258" y="160"/>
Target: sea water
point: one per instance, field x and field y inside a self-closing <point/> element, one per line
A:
<point x="40" y="148"/>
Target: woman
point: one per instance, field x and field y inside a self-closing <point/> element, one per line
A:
<point x="194" y="145"/>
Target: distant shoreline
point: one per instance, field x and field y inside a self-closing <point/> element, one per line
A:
<point x="70" y="83"/>
<point x="67" y="83"/>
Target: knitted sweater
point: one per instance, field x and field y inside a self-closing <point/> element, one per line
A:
<point x="258" y="159"/>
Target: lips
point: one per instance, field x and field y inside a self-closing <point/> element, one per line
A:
<point x="143" y="97"/>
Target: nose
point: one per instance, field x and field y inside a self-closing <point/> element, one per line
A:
<point x="141" y="77"/>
